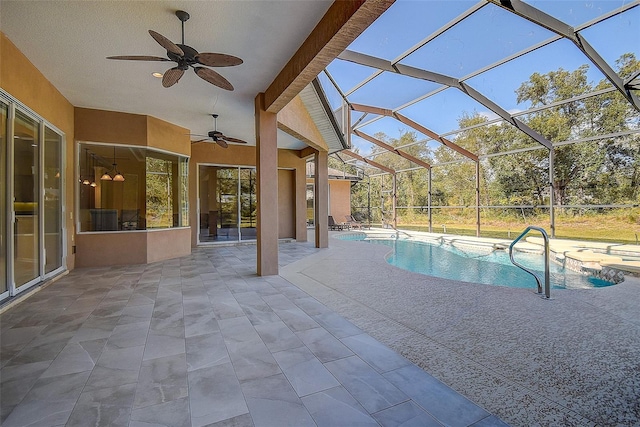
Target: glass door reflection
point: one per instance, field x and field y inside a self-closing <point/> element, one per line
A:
<point x="52" y="201"/>
<point x="3" y="199"/>
<point x="26" y="229"/>
<point x="227" y="200"/>
<point x="248" y="203"/>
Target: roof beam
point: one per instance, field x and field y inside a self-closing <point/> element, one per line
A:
<point x="392" y="149"/>
<point x="415" y="126"/>
<point x="371" y="61"/>
<point x="455" y="147"/>
<point x="369" y="162"/>
<point x="547" y="21"/>
<point x="343" y="23"/>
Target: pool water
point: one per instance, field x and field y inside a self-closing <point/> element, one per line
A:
<point x="482" y="266"/>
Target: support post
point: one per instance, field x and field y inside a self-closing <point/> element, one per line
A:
<point x="394" y="202"/>
<point x="429" y="204"/>
<point x="267" y="189"/>
<point x="477" y="198"/>
<point x="552" y="212"/>
<point x="321" y="164"/>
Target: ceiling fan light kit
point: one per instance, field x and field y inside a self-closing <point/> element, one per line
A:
<point x="185" y="57"/>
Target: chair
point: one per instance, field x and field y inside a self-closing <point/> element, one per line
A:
<point x="352" y="222"/>
<point x="333" y="225"/>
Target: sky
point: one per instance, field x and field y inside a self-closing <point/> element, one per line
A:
<point x="481" y="39"/>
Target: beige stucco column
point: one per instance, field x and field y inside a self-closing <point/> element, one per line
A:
<point x="267" y="188"/>
<point x="321" y="160"/>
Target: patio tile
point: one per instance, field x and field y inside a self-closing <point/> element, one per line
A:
<point x="215" y="395"/>
<point x="225" y="306"/>
<point x="277" y="336"/>
<point x="136" y="313"/>
<point x="129" y="335"/>
<point x="439" y="400"/>
<point x="273" y="403"/>
<point x="243" y="420"/>
<point x="200" y="323"/>
<point x="160" y="345"/>
<point x="206" y="351"/>
<point x="49" y="402"/>
<point x="104" y="407"/>
<point x="323" y="345"/>
<point x="252" y="359"/>
<point x="379" y="356"/>
<point x="161" y="380"/>
<point x="175" y="413"/>
<point x="337" y="325"/>
<point x="335" y="407"/>
<point x="179" y="343"/>
<point x="311" y="306"/>
<point x="296" y="319"/>
<point x="372" y="390"/>
<point x="238" y="329"/>
<point x="406" y="414"/>
<point x="256" y="310"/>
<point x="305" y="373"/>
<point x="74" y="358"/>
<point x="116" y="366"/>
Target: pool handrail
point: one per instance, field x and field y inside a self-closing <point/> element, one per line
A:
<point x="547" y="286"/>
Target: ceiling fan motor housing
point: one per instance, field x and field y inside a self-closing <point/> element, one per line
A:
<point x="189" y="57"/>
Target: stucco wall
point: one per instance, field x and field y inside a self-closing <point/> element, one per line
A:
<point x="339" y="199"/>
<point x="22" y="80"/>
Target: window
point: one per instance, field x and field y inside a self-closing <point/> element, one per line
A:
<point x="131" y="188"/>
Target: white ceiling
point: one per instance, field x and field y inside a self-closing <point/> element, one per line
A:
<point x="68" y="42"/>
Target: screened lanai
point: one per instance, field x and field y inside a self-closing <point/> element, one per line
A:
<point x="485" y="117"/>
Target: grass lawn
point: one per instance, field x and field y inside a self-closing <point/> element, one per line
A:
<point x="613" y="227"/>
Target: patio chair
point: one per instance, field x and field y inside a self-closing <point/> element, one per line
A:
<point x="333" y="225"/>
<point x="351" y="221"/>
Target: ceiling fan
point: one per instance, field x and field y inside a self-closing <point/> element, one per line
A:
<point x="218" y="137"/>
<point x="186" y="56"/>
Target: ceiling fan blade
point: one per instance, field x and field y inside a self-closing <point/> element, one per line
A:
<point x="166" y="43"/>
<point x="218" y="60"/>
<point x="236" y="140"/>
<point x="221" y="143"/>
<point x="200" y="140"/>
<point x="138" y="58"/>
<point x="171" y="76"/>
<point x="213" y="78"/>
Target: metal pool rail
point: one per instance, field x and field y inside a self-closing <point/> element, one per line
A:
<point x="547" y="286"/>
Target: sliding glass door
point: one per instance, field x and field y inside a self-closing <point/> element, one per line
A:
<point x="31" y="199"/>
<point x="227" y="203"/>
<point x="26" y="196"/>
<point x="248" y="204"/>
<point x="52" y="177"/>
<point x="4" y="289"/>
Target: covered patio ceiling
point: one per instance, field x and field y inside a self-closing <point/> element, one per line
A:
<point x="68" y="41"/>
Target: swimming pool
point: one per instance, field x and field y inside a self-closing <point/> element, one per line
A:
<point x="491" y="267"/>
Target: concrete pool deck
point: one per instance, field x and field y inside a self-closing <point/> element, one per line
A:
<point x="573" y="360"/>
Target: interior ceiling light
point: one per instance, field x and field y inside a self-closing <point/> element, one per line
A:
<point x="156" y="74"/>
<point x="118" y="177"/>
<point x="85" y="180"/>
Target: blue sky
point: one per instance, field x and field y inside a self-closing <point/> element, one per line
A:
<point x="486" y="36"/>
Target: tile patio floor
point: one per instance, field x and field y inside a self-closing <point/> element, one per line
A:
<point x="202" y="340"/>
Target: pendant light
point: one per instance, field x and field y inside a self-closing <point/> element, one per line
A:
<point x="118" y="177"/>
<point x="93" y="172"/>
<point x="83" y="178"/>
